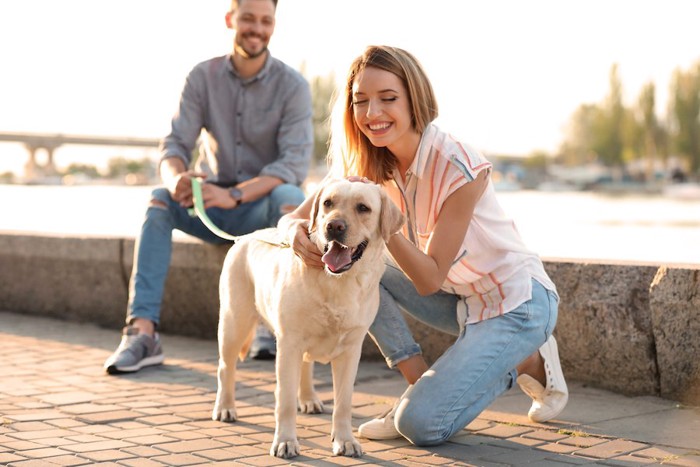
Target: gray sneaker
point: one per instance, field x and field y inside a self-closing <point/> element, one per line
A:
<point x="264" y="346"/>
<point x="134" y="352"/>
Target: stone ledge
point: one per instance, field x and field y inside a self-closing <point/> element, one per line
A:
<point x="630" y="328"/>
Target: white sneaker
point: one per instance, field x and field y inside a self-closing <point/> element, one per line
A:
<point x="547" y="402"/>
<point x="381" y="427"/>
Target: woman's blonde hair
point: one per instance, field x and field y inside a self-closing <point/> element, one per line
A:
<point x="351" y="152"/>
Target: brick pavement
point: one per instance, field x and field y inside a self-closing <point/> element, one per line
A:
<point x="57" y="407"/>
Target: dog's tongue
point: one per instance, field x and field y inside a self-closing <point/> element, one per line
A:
<point x="337" y="257"/>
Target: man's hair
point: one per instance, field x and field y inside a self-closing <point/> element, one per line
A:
<point x="351" y="151"/>
<point x="235" y="3"/>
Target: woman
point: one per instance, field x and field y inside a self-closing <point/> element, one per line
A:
<point x="459" y="264"/>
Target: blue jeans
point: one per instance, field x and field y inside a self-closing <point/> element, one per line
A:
<point x="473" y="372"/>
<point x="154" y="245"/>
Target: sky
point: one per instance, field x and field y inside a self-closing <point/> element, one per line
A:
<point x="508" y="74"/>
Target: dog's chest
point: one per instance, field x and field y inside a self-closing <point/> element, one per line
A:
<point x="324" y="349"/>
<point x="327" y="333"/>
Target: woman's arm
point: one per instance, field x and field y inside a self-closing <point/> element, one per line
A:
<point x="428" y="270"/>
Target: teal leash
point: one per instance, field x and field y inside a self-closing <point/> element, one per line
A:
<point x="199" y="211"/>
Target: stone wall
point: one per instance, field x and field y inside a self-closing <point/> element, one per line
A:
<point x="630" y="328"/>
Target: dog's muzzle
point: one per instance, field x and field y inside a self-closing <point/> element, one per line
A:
<point x="340" y="258"/>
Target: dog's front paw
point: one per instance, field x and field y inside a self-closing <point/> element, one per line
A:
<point x="224" y="414"/>
<point x="347" y="447"/>
<point x="311" y="404"/>
<point x="285" y="449"/>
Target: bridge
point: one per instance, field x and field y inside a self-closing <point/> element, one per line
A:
<point x="50" y="142"/>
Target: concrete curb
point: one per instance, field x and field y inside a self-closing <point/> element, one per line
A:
<point x="629" y="328"/>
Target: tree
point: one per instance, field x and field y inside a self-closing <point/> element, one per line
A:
<point x="685" y="115"/>
<point x="597" y="131"/>
<point x="83" y="169"/>
<point x="581" y="133"/>
<point x="609" y="125"/>
<point x="118" y="167"/>
<point x="652" y="134"/>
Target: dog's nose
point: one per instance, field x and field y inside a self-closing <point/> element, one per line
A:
<point x="335" y="229"/>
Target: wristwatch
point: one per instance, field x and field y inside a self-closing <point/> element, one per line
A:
<point x="236" y="194"/>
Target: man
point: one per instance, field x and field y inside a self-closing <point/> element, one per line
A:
<point x="256" y="115"/>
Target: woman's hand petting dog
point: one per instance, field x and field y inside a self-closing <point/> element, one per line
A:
<point x="303" y="247"/>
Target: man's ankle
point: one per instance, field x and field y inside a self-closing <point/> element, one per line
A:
<point x="145" y="326"/>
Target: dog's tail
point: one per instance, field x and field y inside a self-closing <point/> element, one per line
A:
<point x="246" y="344"/>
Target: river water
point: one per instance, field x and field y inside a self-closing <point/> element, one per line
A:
<point x="569" y="225"/>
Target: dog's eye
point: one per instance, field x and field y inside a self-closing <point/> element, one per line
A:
<point x="328" y="203"/>
<point x="363" y="208"/>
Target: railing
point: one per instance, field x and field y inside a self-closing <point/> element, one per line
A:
<point x="54" y="140"/>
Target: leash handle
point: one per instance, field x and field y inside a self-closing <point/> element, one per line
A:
<point x="202" y="213"/>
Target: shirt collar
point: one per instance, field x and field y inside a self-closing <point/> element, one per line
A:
<point x="261" y="74"/>
<point x="424" y="147"/>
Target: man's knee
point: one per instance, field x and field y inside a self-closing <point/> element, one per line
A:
<point x="287" y="195"/>
<point x="285" y="199"/>
<point x="160" y="198"/>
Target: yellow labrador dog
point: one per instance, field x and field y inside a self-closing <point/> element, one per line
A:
<point x="317" y="314"/>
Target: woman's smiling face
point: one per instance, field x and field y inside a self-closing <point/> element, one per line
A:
<point x="381" y="107"/>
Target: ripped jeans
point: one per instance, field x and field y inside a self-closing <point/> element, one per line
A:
<point x="154" y="245"/>
<point x="473" y="372"/>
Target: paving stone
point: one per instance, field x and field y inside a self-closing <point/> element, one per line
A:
<point x="190" y="446"/>
<point x="150" y="440"/>
<point x="107" y="455"/>
<point x="612" y="449"/>
<point x="42" y="453"/>
<point x="688" y="460"/>
<point x="144" y="451"/>
<point x="108" y="417"/>
<point x="628" y="460"/>
<point x="65" y="398"/>
<point x="178" y="459"/>
<point x="6" y="458"/>
<point x="141" y="463"/>
<point x="583" y="441"/>
<point x="131" y="432"/>
<point x="97" y="446"/>
<point x="505" y="431"/>
<point x="68" y="460"/>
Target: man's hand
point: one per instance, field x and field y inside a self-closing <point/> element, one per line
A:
<point x="216" y="197"/>
<point x="180" y="187"/>
<point x="178" y="180"/>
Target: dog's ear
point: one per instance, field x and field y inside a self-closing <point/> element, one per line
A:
<point x="392" y="219"/>
<point x="314" y="209"/>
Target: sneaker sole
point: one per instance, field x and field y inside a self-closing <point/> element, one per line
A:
<point x="379" y="436"/>
<point x="149" y="361"/>
<point x="544" y="417"/>
<point x="263" y="354"/>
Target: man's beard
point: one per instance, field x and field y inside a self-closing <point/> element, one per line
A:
<point x="245" y="53"/>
